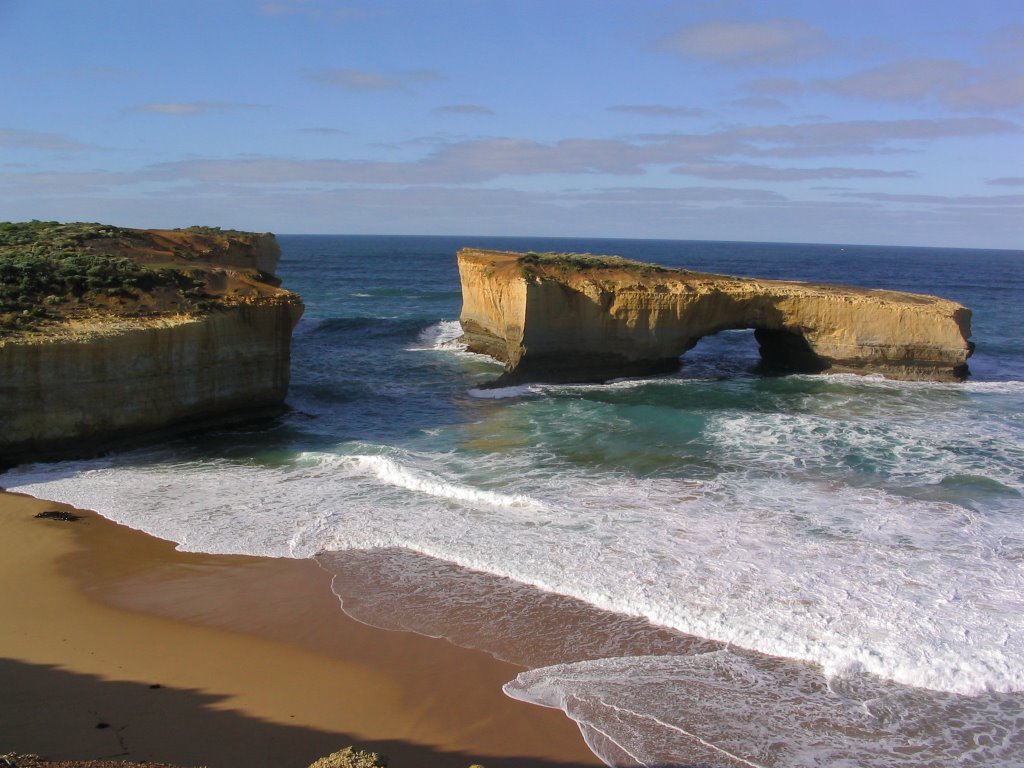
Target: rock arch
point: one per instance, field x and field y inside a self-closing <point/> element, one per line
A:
<point x="552" y="317"/>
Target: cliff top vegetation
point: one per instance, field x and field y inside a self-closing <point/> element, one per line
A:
<point x="578" y="262"/>
<point x="51" y="271"/>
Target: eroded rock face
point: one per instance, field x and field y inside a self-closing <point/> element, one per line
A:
<point x="568" y="318"/>
<point x="99" y="377"/>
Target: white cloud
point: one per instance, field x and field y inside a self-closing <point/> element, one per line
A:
<point x="658" y="110"/>
<point x="709" y="155"/>
<point x="866" y="137"/>
<point x="191" y="107"/>
<point x="645" y="195"/>
<point x="461" y="162"/>
<point x="996" y="92"/>
<point x="951" y="83"/>
<point x="1016" y="201"/>
<point x="774" y="86"/>
<point x="365" y="80"/>
<point x="909" y="80"/>
<point x="712" y="213"/>
<point x="40" y="140"/>
<point x="746" y="171"/>
<point x="465" y="109"/>
<point x="63" y="183"/>
<point x="1007" y="43"/>
<point x="764" y="103"/>
<point x="766" y="94"/>
<point x="779" y="41"/>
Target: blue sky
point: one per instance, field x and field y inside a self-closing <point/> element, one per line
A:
<point x="897" y="122"/>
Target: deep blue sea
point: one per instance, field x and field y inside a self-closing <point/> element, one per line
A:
<point x="789" y="571"/>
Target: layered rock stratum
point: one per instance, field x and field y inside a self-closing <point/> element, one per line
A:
<point x="109" y="333"/>
<point x="580" y="318"/>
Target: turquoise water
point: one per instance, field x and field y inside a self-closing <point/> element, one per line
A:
<point x="792" y="571"/>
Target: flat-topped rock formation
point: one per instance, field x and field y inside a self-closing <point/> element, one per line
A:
<point x="578" y="318"/>
<point x="109" y="333"/>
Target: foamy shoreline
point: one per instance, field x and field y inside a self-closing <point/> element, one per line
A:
<point x="259" y="667"/>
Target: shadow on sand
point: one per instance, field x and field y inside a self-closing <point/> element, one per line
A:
<point x="65" y="715"/>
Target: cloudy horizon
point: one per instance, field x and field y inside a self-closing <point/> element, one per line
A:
<point x="875" y="123"/>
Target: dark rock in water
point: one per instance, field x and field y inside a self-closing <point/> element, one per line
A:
<point x="59" y="514"/>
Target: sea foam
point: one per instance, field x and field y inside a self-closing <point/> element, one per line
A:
<point x="392" y="472"/>
<point x="924" y="593"/>
<point x="769" y="713"/>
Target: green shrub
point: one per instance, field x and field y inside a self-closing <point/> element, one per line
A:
<point x="579" y="262"/>
<point x="202" y="230"/>
<point x="44" y="264"/>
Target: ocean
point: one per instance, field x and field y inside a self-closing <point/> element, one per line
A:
<point x="778" y="571"/>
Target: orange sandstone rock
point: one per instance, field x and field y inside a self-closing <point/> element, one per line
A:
<point x="153" y="363"/>
<point x="552" y="317"/>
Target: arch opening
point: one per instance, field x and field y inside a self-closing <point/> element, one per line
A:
<point x="750" y="351"/>
<point x="786" y="352"/>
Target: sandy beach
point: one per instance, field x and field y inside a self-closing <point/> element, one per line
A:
<point x="114" y="645"/>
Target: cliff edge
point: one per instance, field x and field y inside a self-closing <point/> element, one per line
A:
<point x="109" y="333"/>
<point x="572" y="317"/>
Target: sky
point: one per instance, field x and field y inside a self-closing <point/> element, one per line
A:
<point x="895" y="122"/>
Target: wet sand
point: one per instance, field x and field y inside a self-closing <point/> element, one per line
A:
<point x="114" y="645"/>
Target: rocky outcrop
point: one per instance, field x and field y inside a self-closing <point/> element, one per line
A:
<point x="99" y="376"/>
<point x="565" y="317"/>
<point x="350" y="757"/>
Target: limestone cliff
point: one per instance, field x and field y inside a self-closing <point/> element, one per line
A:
<point x="552" y="317"/>
<point x="205" y="340"/>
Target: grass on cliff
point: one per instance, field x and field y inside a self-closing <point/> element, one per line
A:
<point x="47" y="271"/>
<point x="569" y="263"/>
